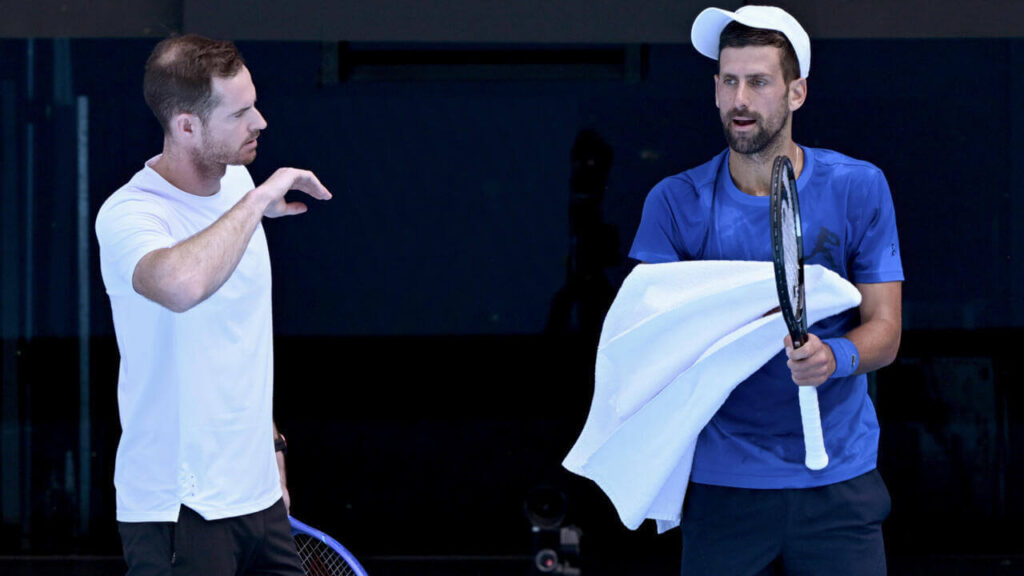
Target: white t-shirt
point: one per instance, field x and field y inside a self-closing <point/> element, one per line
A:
<point x="195" y="389"/>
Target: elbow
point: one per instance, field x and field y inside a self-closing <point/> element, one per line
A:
<point x="169" y="283"/>
<point x="890" y="357"/>
<point x="183" y="299"/>
<point x="177" y="306"/>
<point x="178" y="298"/>
<point x="893" y="349"/>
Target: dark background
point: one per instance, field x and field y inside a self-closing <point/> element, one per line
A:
<point x="426" y="377"/>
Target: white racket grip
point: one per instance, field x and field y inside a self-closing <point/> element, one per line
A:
<point x="814" y="441"/>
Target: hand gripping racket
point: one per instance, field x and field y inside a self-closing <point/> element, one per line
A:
<point x="322" y="555"/>
<point x="788" y="255"/>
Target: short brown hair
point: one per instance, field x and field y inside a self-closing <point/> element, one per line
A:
<point x="179" y="74"/>
<point x="736" y="35"/>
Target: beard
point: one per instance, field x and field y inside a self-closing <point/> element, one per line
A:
<point x="761" y="139"/>
<point x="213" y="155"/>
<point x="226" y="153"/>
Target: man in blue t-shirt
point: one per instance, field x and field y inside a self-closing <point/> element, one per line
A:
<point x="752" y="507"/>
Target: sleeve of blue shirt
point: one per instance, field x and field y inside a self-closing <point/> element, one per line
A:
<point x="876" y="256"/>
<point x="674" y="222"/>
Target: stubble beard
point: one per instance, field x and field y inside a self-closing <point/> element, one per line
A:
<point x="764" y="138"/>
<point x="214" y="156"/>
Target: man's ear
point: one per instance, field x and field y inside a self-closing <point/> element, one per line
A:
<point x="717" y="105"/>
<point x="797" y="94"/>
<point x="185" y="126"/>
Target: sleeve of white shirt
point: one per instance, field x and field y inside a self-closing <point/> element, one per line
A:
<point x="127" y="229"/>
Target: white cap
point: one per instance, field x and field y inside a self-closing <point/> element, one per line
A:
<point x="708" y="26"/>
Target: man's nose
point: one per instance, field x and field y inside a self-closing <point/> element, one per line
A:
<point x="742" y="96"/>
<point x="261" y="122"/>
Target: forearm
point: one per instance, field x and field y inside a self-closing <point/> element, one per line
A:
<point x="182" y="276"/>
<point x="280" y="449"/>
<point x="877" y="343"/>
<point x="877" y="338"/>
<point x="870" y="346"/>
<point x="280" y="469"/>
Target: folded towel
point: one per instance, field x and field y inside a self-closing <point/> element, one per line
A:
<point x="676" y="341"/>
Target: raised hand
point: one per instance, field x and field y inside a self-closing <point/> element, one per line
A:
<point x="280" y="182"/>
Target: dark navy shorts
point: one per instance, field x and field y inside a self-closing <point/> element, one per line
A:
<point x="834" y="530"/>
<point x="257" y="543"/>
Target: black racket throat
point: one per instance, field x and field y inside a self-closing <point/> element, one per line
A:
<point x="787" y="249"/>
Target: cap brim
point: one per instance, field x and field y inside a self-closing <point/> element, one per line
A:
<point x="707" y="29"/>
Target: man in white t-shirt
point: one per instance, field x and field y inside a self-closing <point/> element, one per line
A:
<point x="200" y="489"/>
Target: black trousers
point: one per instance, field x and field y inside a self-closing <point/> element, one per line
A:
<point x="834" y="530"/>
<point x="260" y="543"/>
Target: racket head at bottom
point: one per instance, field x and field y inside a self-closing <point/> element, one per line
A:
<point x="322" y="555"/>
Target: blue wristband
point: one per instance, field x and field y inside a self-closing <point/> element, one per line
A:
<point x="846" y="355"/>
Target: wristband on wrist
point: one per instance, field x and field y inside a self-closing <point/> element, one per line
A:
<point x="280" y="445"/>
<point x="846" y="355"/>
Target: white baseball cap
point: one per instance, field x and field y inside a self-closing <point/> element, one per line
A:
<point x="708" y="26"/>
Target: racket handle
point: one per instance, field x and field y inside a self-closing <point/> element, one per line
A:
<point x="814" y="441"/>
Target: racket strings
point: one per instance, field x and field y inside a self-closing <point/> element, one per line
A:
<point x="791" y="258"/>
<point x="319" y="559"/>
<point x="791" y="252"/>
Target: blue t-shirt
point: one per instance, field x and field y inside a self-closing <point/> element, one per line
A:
<point x="756" y="439"/>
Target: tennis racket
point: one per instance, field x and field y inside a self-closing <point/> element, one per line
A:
<point x="788" y="255"/>
<point x="322" y="555"/>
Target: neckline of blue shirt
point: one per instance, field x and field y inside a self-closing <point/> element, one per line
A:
<point x="738" y="195"/>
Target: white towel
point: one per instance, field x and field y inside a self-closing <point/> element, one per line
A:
<point x="676" y="341"/>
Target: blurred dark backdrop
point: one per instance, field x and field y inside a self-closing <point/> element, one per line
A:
<point x="435" y="321"/>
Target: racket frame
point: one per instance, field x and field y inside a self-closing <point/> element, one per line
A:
<point x="302" y="528"/>
<point x="795" y="317"/>
<point x="783" y="186"/>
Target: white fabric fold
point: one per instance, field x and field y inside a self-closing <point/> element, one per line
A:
<point x="676" y="341"/>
